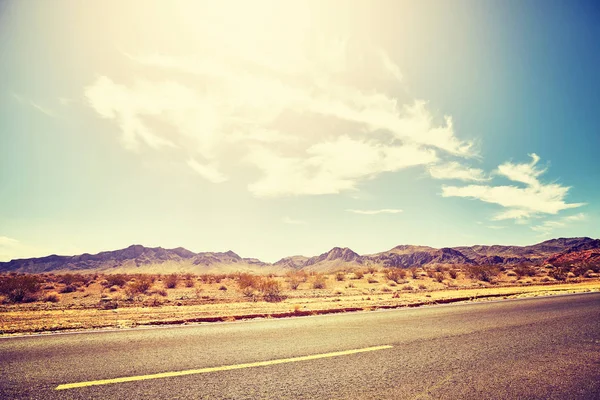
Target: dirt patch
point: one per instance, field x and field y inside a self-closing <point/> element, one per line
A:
<point x="99" y="306"/>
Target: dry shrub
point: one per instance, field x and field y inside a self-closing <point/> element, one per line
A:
<point x="386" y="289"/>
<point x="271" y="290"/>
<point x="140" y="285"/>
<point x="372" y="269"/>
<point x="255" y="286"/>
<point x="250" y="293"/>
<point x="558" y="273"/>
<point x="340" y="276"/>
<point x="223" y="287"/>
<point x="439" y="276"/>
<point x="115" y="280"/>
<point x="189" y="280"/>
<point x="171" y="281"/>
<point x="69" y="289"/>
<point x="413" y="272"/>
<point x="358" y="274"/>
<point x="155" y="301"/>
<point x="52" y="297"/>
<point x="246" y="280"/>
<point x="524" y="270"/>
<point x="482" y="273"/>
<point x="408" y="288"/>
<point x="372" y="280"/>
<point x="319" y="282"/>
<point x="453" y="273"/>
<point x="294" y="279"/>
<point x="20" y="288"/>
<point x="75" y="279"/>
<point x="422" y="286"/>
<point x="395" y="274"/>
<point x="581" y="271"/>
<point x="294" y="282"/>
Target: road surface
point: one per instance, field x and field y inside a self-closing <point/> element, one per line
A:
<point x="538" y="348"/>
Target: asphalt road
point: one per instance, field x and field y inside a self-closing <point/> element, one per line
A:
<point x="545" y="348"/>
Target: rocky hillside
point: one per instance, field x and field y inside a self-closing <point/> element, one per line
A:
<point x="138" y="258"/>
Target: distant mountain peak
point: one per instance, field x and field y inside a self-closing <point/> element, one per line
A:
<point x="139" y="258"/>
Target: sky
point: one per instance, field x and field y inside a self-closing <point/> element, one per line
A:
<point x="278" y="128"/>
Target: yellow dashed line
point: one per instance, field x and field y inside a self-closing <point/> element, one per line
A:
<point x="216" y="369"/>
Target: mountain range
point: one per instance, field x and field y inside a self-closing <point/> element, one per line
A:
<point x="137" y="258"/>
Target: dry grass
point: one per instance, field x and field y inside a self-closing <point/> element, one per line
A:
<point x="33" y="303"/>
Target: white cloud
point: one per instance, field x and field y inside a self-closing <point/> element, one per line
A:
<point x="302" y="121"/>
<point x="521" y="202"/>
<point x="11" y="249"/>
<point x="375" y="212"/>
<point x="547" y="227"/>
<point x="292" y="221"/>
<point x="208" y="172"/>
<point x="8" y="242"/>
<point x="455" y="170"/>
<point x="330" y="167"/>
<point x="65" y="101"/>
<point x="44" y="110"/>
<point x="525" y="173"/>
<point x="390" y="66"/>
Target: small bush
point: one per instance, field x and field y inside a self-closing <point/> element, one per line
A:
<point x="115" y="280"/>
<point x="319" y="282"/>
<point x="453" y="273"/>
<point x="386" y="289"/>
<point x="20" y="288"/>
<point x="413" y="273"/>
<point x="340" y="276"/>
<point x="52" y="297"/>
<point x="395" y="274"/>
<point x="271" y="290"/>
<point x="223" y="287"/>
<point x="482" y="273"/>
<point x="246" y="280"/>
<point x="408" y="288"/>
<point x="250" y="293"/>
<point x="422" y="287"/>
<point x="141" y="284"/>
<point x="560" y="274"/>
<point x="171" y="281"/>
<point x="524" y="270"/>
<point x="358" y="274"/>
<point x="372" y="280"/>
<point x="71" y="279"/>
<point x="294" y="282"/>
<point x="69" y="289"/>
<point x="439" y="276"/>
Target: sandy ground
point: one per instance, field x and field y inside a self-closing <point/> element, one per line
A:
<point x="209" y="302"/>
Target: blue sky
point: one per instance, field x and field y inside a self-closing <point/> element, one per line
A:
<point x="280" y="128"/>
